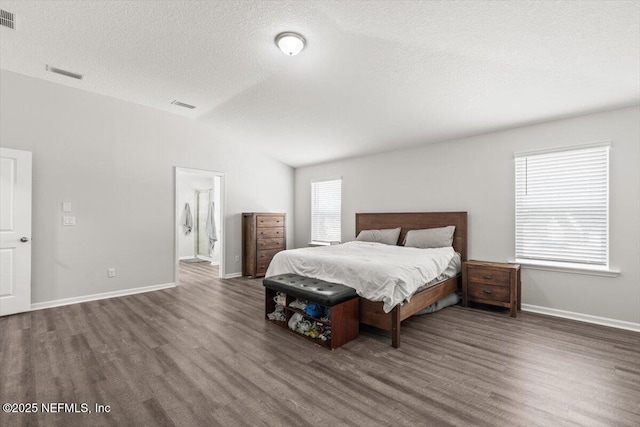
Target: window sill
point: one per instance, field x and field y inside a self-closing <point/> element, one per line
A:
<point x="314" y="243"/>
<point x="567" y="268"/>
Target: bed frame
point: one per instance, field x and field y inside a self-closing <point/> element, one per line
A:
<point x="371" y="312"/>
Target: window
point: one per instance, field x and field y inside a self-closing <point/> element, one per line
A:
<point x="326" y="211"/>
<point x="562" y="207"/>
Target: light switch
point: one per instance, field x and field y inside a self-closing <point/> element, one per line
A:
<point x="66" y="206"/>
<point x="69" y="220"/>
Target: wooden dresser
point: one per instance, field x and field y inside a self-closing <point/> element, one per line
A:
<point x="263" y="236"/>
<point x="492" y="283"/>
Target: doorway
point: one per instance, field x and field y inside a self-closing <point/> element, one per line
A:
<point x="199" y="222"/>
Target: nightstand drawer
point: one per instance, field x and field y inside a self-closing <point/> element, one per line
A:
<point x="488" y="276"/>
<point x="483" y="291"/>
<point x="493" y="283"/>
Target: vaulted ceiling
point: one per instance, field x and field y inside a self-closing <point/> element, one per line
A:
<point x="374" y="76"/>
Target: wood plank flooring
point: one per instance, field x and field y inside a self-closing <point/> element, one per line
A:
<point x="202" y="355"/>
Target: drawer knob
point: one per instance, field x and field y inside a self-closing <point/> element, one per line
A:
<point x="486" y="291"/>
<point x="487" y="277"/>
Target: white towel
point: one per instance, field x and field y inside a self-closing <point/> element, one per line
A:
<point x="187" y="220"/>
<point x="212" y="233"/>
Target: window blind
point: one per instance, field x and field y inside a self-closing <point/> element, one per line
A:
<point x="562" y="206"/>
<point x="326" y="211"/>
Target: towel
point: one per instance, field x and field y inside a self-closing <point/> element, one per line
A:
<point x="187" y="220"/>
<point x="212" y="233"/>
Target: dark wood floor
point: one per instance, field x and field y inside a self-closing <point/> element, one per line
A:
<point x="201" y="354"/>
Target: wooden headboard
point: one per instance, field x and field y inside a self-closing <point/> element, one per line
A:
<point x="417" y="221"/>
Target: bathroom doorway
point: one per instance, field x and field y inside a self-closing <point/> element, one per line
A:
<point x="199" y="223"/>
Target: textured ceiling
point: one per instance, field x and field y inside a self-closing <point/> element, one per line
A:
<point x="374" y="76"/>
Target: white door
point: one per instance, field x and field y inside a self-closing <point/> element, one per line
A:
<point x="15" y="231"/>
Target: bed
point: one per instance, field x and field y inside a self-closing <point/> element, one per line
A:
<point x="394" y="286"/>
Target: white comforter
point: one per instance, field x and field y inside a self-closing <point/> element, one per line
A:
<point x="377" y="272"/>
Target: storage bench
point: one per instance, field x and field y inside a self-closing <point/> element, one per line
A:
<point x="341" y="300"/>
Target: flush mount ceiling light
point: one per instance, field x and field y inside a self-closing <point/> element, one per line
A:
<point x="290" y="43"/>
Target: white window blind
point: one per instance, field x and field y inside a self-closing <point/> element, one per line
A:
<point x="326" y="211"/>
<point x="562" y="206"/>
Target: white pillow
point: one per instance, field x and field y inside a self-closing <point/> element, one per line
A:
<point x="388" y="236"/>
<point x="430" y="237"/>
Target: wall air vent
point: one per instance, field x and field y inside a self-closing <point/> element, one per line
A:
<point x="7" y="19"/>
<point x="182" y="104"/>
<point x="64" y="72"/>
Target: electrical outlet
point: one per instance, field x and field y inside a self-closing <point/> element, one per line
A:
<point x="237" y="258"/>
<point x="111" y="272"/>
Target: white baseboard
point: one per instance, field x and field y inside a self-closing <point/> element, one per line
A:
<point x="604" y="321"/>
<point x="232" y="275"/>
<point x="185" y="257"/>
<point x="104" y="295"/>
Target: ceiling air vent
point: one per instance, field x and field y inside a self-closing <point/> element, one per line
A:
<point x="182" y="104"/>
<point x="7" y="19"/>
<point x="64" y="72"/>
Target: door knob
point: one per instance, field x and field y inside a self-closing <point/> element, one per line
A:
<point x="24" y="239"/>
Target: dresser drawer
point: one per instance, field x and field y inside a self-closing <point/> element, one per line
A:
<point x="261" y="268"/>
<point x="488" y="276"/>
<point x="269" y="221"/>
<point x="270" y="232"/>
<point x="266" y="254"/>
<point x="264" y="259"/>
<point x="270" y="244"/>
<point x="483" y="291"/>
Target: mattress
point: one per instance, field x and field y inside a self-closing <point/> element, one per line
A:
<point x="377" y="272"/>
<point x="453" y="269"/>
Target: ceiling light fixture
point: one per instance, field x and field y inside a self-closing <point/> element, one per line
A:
<point x="290" y="43"/>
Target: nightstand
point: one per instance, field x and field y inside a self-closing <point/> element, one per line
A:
<point x="492" y="283"/>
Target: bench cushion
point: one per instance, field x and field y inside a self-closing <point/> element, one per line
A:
<point x="313" y="290"/>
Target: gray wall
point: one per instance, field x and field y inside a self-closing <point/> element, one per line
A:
<point x="115" y="162"/>
<point x="477" y="175"/>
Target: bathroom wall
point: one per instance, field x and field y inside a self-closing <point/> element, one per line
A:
<point x="215" y="255"/>
<point x="188" y="184"/>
